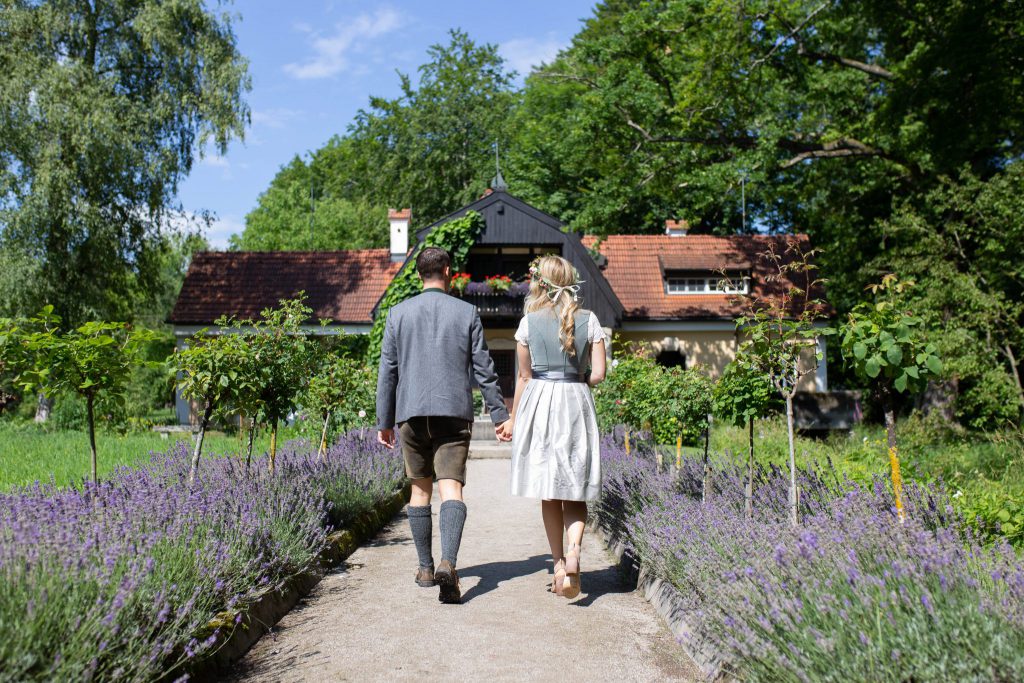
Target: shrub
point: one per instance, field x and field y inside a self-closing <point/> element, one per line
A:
<point x="849" y="595"/>
<point x="118" y="580"/>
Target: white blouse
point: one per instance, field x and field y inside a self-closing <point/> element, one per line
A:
<point x="594" y="331"/>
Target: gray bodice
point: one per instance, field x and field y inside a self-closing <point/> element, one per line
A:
<point x="546" y="352"/>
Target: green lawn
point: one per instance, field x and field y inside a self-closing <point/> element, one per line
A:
<point x="29" y="453"/>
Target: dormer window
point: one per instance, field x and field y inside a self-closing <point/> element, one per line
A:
<point x="706" y="283"/>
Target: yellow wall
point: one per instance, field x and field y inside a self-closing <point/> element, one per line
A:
<point x="710" y="349"/>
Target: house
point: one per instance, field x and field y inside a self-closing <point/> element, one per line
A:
<point x="661" y="290"/>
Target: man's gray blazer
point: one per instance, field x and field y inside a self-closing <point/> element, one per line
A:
<point x="433" y="348"/>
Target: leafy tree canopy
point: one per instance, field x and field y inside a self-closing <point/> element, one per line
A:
<point x="103" y="107"/>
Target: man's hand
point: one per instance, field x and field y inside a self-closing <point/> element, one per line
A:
<point x="504" y="430"/>
<point x="386" y="437"/>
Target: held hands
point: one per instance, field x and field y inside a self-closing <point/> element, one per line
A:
<point x="504" y="430"/>
<point x="386" y="438"/>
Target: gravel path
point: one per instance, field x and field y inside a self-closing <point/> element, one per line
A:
<point x="368" y="621"/>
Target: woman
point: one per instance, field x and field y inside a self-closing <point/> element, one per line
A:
<point x="555" y="440"/>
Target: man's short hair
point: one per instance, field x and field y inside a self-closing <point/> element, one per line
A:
<point x="431" y="263"/>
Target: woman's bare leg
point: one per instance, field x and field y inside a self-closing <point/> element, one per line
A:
<point x="574" y="512"/>
<point x="553" y="526"/>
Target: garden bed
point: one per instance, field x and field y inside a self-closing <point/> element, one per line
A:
<point x="121" y="580"/>
<point x="850" y="594"/>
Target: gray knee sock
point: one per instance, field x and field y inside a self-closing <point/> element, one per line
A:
<point x="421" y="525"/>
<point x="453" y="517"/>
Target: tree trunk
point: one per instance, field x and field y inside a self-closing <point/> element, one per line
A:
<point x="252" y="434"/>
<point x="273" y="446"/>
<point x="91" y="421"/>
<point x="203" y="424"/>
<point x="793" y="517"/>
<point x="323" y="435"/>
<point x="748" y="492"/>
<point x="704" y="477"/>
<point x="44" y="404"/>
<point x="894" y="458"/>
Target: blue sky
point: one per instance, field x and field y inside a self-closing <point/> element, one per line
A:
<point x="314" y="64"/>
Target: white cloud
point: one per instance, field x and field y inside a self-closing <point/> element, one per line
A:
<point x="331" y="52"/>
<point x="275" y="117"/>
<point x="522" y="54"/>
<point x="220" y="229"/>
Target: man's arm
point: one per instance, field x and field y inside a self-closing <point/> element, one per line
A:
<point x="387" y="377"/>
<point x="486" y="377"/>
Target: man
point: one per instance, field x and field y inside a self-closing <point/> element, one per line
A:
<point x="432" y="349"/>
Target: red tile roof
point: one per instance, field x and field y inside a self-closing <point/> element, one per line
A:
<point x="399" y="213"/>
<point x="341" y="285"/>
<point x="636" y="265"/>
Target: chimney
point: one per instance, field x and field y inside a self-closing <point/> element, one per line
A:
<point x="674" y="228"/>
<point x="399" y="222"/>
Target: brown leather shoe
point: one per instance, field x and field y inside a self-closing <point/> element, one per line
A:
<point x="425" y="577"/>
<point x="448" y="579"/>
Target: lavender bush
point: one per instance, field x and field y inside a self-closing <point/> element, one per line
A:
<point x="115" y="581"/>
<point x="851" y="594"/>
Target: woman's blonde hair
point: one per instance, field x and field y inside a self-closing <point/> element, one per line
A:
<point x="554" y="284"/>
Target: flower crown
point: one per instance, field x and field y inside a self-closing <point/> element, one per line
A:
<point x="551" y="289"/>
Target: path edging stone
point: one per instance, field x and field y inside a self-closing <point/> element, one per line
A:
<point x="668" y="603"/>
<point x="234" y="640"/>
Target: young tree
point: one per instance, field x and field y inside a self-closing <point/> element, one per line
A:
<point x="94" y="361"/>
<point x="741" y="396"/>
<point x="286" y="355"/>
<point x="887" y="345"/>
<point x="209" y="371"/>
<point x="247" y="396"/>
<point x="780" y="335"/>
<point x="686" y="408"/>
<point x="341" y="389"/>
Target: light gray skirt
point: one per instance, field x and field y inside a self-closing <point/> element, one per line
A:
<point x="556" y="449"/>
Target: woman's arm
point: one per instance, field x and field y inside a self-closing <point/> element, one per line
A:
<point x="525" y="375"/>
<point x="598" y="363"/>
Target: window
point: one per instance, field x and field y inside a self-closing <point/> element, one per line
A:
<point x="671" y="359"/>
<point x="706" y="284"/>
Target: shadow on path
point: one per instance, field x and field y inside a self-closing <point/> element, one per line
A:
<point x="604" y="581"/>
<point x="493" y="573"/>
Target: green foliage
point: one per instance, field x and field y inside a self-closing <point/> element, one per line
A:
<point x="668" y="402"/>
<point x="830" y="111"/>
<point x="209" y="366"/>
<point x="457" y="237"/>
<point x="886" y="343"/>
<point x="743" y="394"/>
<point x="687" y="404"/>
<point x="431" y="148"/>
<point x="93" y="361"/>
<point x="344" y="387"/>
<point x="103" y="107"/>
<point x="281" y="355"/>
<point x="313" y="206"/>
<point x="959" y="245"/>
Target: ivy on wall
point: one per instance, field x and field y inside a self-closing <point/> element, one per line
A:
<point x="457" y="237"/>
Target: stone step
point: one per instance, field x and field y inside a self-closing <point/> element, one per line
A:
<point x="483" y="429"/>
<point x="483" y="450"/>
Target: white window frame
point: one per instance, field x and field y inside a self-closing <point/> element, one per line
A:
<point x="686" y="285"/>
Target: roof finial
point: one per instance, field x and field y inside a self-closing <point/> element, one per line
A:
<point x="498" y="183"/>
